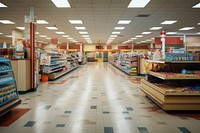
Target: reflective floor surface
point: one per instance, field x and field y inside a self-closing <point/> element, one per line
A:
<point x="95" y="98"/>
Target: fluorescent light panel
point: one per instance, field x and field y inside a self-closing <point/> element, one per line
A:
<point x="6" y="22"/>
<point x="42" y="22"/>
<point x="43" y="35"/>
<point x="69" y="38"/>
<point x="171" y="33"/>
<point x="187" y="28"/>
<point x="134" y="38"/>
<point x="119" y="28"/>
<point x="21" y="28"/>
<point x="196" y="6"/>
<point x="139" y="36"/>
<point x="37" y="33"/>
<point x="169" y="22"/>
<point x="76" y="21"/>
<point x="198" y="24"/>
<point x="145" y="33"/>
<point x="65" y="35"/>
<point x="61" y="3"/>
<point x="80" y="28"/>
<point x="60" y="32"/>
<point x="111" y="38"/>
<point x="1" y="33"/>
<point x="155" y="28"/>
<point x="52" y="28"/>
<point x="116" y="32"/>
<point x="138" y="3"/>
<point x="83" y="32"/>
<point x="198" y="33"/>
<point x="85" y="36"/>
<point x="48" y="38"/>
<point x="2" y="5"/>
<point x="113" y="35"/>
<point x="124" y="21"/>
<point x="9" y="35"/>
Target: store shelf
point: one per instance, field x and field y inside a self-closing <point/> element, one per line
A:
<point x="59" y="74"/>
<point x="129" y="73"/>
<point x="171" y="99"/>
<point x="6" y="71"/>
<point x="182" y="62"/>
<point x="173" y="76"/>
<point x="7" y="81"/>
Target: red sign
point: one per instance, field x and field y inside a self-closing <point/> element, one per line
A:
<point x="54" y="41"/>
<point x="169" y="40"/>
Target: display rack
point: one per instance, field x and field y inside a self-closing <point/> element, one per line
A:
<point x="55" y="65"/>
<point x="127" y="62"/>
<point x="172" y="90"/>
<point x="9" y="97"/>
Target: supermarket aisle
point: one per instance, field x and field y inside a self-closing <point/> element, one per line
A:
<point x="96" y="98"/>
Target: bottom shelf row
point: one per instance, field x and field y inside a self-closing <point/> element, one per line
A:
<point x="171" y="97"/>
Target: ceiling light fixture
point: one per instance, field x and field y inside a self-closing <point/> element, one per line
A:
<point x="139" y="36"/>
<point x="116" y="32"/>
<point x="9" y="36"/>
<point x="155" y="28"/>
<point x="43" y="35"/>
<point x="124" y="21"/>
<point x="111" y="38"/>
<point x="169" y="22"/>
<point x="146" y="33"/>
<point x="138" y="3"/>
<point x="61" y="3"/>
<point x="2" y="5"/>
<point x="76" y="21"/>
<point x="134" y="38"/>
<point x="65" y="35"/>
<point x="69" y="38"/>
<point x="83" y="32"/>
<point x="37" y="33"/>
<point x="113" y="35"/>
<point x="196" y="6"/>
<point x="119" y="28"/>
<point x="171" y="33"/>
<point x="60" y="33"/>
<point x="1" y="33"/>
<point x="80" y="28"/>
<point x="6" y="22"/>
<point x="198" y="33"/>
<point x="187" y="28"/>
<point x="21" y="28"/>
<point x="85" y="36"/>
<point x="42" y="22"/>
<point x="52" y="28"/>
<point x="48" y="38"/>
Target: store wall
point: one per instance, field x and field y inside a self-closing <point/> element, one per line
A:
<point x="89" y="47"/>
<point x="46" y="46"/>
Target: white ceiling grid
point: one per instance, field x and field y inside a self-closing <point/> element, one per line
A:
<point x="101" y="16"/>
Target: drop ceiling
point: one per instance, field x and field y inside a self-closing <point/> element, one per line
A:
<point x="100" y="17"/>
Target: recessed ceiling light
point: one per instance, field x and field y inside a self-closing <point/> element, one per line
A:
<point x="42" y="22"/>
<point x="187" y="28"/>
<point x="60" y="33"/>
<point x="124" y="21"/>
<point x="43" y="35"/>
<point x="9" y="36"/>
<point x="69" y="38"/>
<point x="196" y="6"/>
<point x="116" y="32"/>
<point x="113" y="35"/>
<point x="145" y="33"/>
<point x="37" y="33"/>
<point x="198" y="33"/>
<point x="111" y="38"/>
<point x="65" y="35"/>
<point x="80" y="28"/>
<point x="148" y="40"/>
<point x="21" y="28"/>
<point x="83" y="32"/>
<point x="48" y="38"/>
<point x="155" y="28"/>
<point x="61" y="3"/>
<point x="138" y="3"/>
<point x="85" y="36"/>
<point x="2" y="5"/>
<point x="169" y="22"/>
<point x="76" y="21"/>
<point x="1" y="33"/>
<point x="143" y="41"/>
<point x="119" y="28"/>
<point x="139" y="36"/>
<point x="134" y="38"/>
<point x="52" y="28"/>
<point x="6" y="22"/>
<point x="171" y="33"/>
